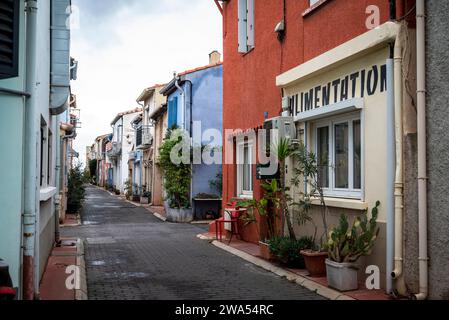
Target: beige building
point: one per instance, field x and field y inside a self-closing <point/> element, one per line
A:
<point x="154" y="122"/>
<point x="348" y="106"/>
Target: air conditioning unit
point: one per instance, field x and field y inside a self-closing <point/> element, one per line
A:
<point x="280" y="127"/>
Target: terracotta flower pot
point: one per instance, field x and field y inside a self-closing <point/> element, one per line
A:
<point x="265" y="252"/>
<point x="315" y="262"/>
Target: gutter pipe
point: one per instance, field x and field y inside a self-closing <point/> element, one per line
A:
<point x="390" y="160"/>
<point x="177" y="78"/>
<point x="30" y="165"/>
<point x="422" y="147"/>
<point x="396" y="274"/>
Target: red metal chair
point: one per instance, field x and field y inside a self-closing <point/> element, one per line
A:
<point x="231" y="215"/>
<point x="7" y="293"/>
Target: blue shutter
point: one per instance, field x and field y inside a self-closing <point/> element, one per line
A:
<point x="172" y="112"/>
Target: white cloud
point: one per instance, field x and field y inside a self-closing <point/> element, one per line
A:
<point x="132" y="47"/>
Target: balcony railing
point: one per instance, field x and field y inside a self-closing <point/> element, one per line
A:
<point x="144" y="139"/>
<point x="116" y="150"/>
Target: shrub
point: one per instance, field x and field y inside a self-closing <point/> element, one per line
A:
<point x="76" y="190"/>
<point x="176" y="175"/>
<point x="287" y="250"/>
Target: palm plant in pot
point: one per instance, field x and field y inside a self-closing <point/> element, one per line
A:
<point x="307" y="170"/>
<point x="346" y="245"/>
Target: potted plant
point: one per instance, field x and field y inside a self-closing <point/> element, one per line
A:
<point x="128" y="190"/>
<point x="287" y="250"/>
<point x="346" y="245"/>
<point x="266" y="207"/>
<point x="177" y="175"/>
<point x="307" y="169"/>
<point x="145" y="198"/>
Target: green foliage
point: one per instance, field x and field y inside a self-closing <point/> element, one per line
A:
<point x="206" y="196"/>
<point x="307" y="169"/>
<point x="177" y="176"/>
<point x="76" y="190"/>
<point x="282" y="150"/>
<point x="217" y="183"/>
<point x="348" y="244"/>
<point x="267" y="206"/>
<point x="287" y="250"/>
<point x="128" y="190"/>
<point x="93" y="167"/>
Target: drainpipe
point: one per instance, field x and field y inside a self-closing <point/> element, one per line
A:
<point x="31" y="151"/>
<point x="391" y="150"/>
<point x="399" y="183"/>
<point x="190" y="130"/>
<point x="183" y="102"/>
<point x="58" y="187"/>
<point x="422" y="147"/>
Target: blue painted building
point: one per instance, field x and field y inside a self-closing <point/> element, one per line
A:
<point x="195" y="104"/>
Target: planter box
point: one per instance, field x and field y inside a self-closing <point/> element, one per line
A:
<point x="265" y="253"/>
<point x="315" y="262"/>
<point x="178" y="215"/>
<point x="143" y="200"/>
<point x="342" y="276"/>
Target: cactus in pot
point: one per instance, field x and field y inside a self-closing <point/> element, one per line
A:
<point x="346" y="244"/>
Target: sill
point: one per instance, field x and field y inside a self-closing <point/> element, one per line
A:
<point x="247" y="52"/>
<point x="46" y="193"/>
<point x="314" y="8"/>
<point x="343" y="203"/>
<point x="245" y="196"/>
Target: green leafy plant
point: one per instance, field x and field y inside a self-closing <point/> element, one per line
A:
<point x="177" y="176"/>
<point x="282" y="150"/>
<point x="128" y="190"/>
<point x="203" y="195"/>
<point x="76" y="190"/>
<point x="287" y="250"/>
<point x="217" y="183"/>
<point x="307" y="169"/>
<point x="267" y="207"/>
<point x="348" y="244"/>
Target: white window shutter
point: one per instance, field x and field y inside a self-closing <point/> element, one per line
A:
<point x="250" y="24"/>
<point x="243" y="47"/>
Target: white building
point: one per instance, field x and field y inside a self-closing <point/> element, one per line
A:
<point x="122" y="144"/>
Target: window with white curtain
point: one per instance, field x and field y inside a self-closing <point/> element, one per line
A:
<point x="338" y="146"/>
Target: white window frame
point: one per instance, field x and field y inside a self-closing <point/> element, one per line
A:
<point x="313" y="2"/>
<point x="332" y="191"/>
<point x="240" y="161"/>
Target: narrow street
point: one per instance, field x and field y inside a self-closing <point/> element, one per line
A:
<point x="130" y="254"/>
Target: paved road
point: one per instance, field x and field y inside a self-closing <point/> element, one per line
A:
<point x="131" y="255"/>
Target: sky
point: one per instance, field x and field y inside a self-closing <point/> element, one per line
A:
<point x="125" y="46"/>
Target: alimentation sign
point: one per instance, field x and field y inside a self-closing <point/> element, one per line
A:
<point x="358" y="84"/>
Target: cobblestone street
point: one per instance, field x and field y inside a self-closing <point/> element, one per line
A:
<point x="130" y="254"/>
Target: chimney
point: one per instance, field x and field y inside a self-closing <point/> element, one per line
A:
<point x="214" y="57"/>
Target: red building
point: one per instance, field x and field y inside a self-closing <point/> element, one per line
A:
<point x="269" y="43"/>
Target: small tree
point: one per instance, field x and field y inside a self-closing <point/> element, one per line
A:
<point x="76" y="190"/>
<point x="307" y="170"/>
<point x="177" y="176"/>
<point x="282" y="151"/>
